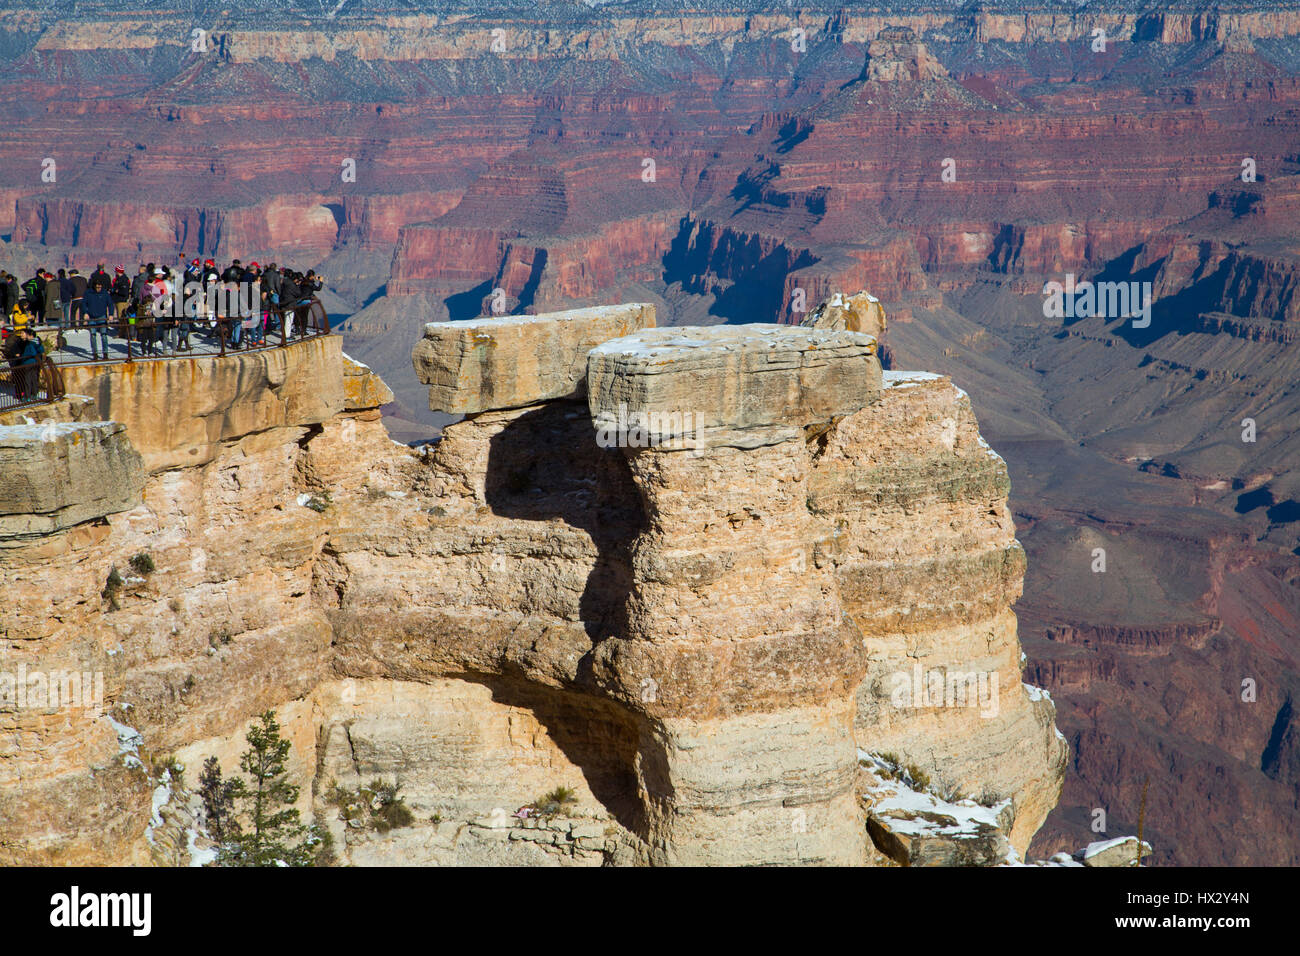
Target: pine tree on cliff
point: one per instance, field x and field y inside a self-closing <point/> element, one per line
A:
<point x="218" y="798"/>
<point x="271" y="833"/>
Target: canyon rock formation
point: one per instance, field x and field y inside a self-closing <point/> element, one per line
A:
<point x="728" y="164"/>
<point x="685" y="585"/>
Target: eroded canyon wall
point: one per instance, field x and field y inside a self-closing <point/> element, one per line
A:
<point x="675" y="586"/>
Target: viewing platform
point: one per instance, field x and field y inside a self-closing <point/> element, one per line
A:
<point x="131" y="342"/>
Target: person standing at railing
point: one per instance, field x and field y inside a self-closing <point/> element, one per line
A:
<point x="9" y="293"/>
<point x="138" y="283"/>
<point x="308" y="286"/>
<point x="28" y="366"/>
<point x="21" y="315"/>
<point x="13" y="348"/>
<point x="192" y="288"/>
<point x="78" y="290"/>
<point x="164" y="306"/>
<point x="34" y="291"/>
<point x="53" y="307"/>
<point x="121" y="293"/>
<point x="212" y="291"/>
<point x="289" y="296"/>
<point x="100" y="275"/>
<point x="271" y="286"/>
<point x="250" y="304"/>
<point x="150" y="309"/>
<point x="97" y="305"/>
<point x="65" y="297"/>
<point x="231" y="279"/>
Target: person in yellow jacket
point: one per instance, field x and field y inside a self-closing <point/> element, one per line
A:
<point x="21" y="315"/>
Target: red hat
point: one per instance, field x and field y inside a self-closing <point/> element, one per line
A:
<point x="208" y="262"/>
<point x="119" y="269"/>
<point x="252" y="265"/>
<point x="195" y="262"/>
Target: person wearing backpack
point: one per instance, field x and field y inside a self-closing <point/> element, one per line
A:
<point x="138" y="282"/>
<point x="34" y="291"/>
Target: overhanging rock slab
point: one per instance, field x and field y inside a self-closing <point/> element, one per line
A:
<point x="55" y="475"/>
<point x="488" y="364"/>
<point x="736" y="386"/>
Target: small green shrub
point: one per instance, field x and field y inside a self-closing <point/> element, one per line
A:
<point x="950" y="794"/>
<point x="142" y="564"/>
<point x="324" y="848"/>
<point x="167" y="763"/>
<point x="917" y="778"/>
<point x="556" y="802"/>
<point x="376" y="806"/>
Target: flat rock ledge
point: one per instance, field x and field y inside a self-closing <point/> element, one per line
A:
<point x="738" y="386"/>
<point x="497" y="363"/>
<point x="54" y="475"/>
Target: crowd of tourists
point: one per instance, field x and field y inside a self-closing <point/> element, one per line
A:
<point x="159" y="308"/>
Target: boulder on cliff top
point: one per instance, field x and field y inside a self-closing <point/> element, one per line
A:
<point x="489" y="364"/>
<point x="861" y="312"/>
<point x="1121" y="851"/>
<point x="739" y="386"/>
<point x="362" y="388"/>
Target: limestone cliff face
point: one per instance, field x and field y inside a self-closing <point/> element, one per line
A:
<point x="928" y="567"/>
<point x="596" y="35"/>
<point x="686" y="585"/>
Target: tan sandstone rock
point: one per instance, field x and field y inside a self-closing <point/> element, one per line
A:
<point x="178" y="412"/>
<point x="362" y="388"/>
<point x="696" y="640"/>
<point x="739" y="385"/>
<point x="861" y="312"/>
<point x="911" y="496"/>
<point x="54" y="476"/>
<point x="512" y="361"/>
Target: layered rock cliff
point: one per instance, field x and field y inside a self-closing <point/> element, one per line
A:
<point x="684" y="572"/>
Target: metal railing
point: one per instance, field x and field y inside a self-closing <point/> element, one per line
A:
<point x="132" y="340"/>
<point x="35" y="384"/>
<point x="129" y="339"/>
